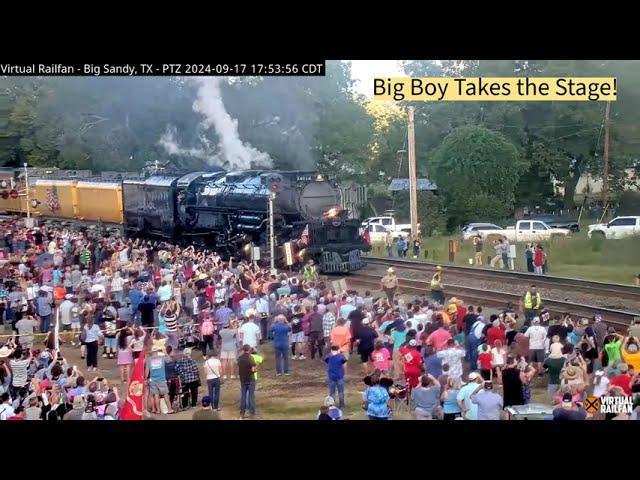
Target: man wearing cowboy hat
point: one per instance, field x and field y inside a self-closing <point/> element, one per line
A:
<point x="389" y="284"/>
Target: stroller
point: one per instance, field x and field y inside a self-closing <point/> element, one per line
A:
<point x="175" y="385"/>
<point x="189" y="336"/>
<point x="401" y="396"/>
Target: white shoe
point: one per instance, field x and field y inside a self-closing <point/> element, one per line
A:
<point x="232" y="376"/>
<point x="104" y="355"/>
<point x="302" y="357"/>
<point x="224" y="377"/>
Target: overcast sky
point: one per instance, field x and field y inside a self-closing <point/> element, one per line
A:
<point x="364" y="71"/>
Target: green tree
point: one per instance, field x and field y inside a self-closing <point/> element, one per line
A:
<point x="477" y="171"/>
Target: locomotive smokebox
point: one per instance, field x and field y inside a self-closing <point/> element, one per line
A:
<point x="317" y="197"/>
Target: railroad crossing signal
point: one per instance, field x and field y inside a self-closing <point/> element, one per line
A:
<point x="13" y="194"/>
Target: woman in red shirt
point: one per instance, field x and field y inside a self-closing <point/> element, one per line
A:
<point x="496" y="332"/>
<point x="412" y="360"/>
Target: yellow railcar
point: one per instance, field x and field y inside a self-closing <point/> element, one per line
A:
<point x="99" y="201"/>
<point x="57" y="198"/>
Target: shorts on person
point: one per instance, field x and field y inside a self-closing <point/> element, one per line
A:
<point x="110" y="342"/>
<point x="75" y="325"/>
<point x="158" y="388"/>
<point x="536" y="355"/>
<point x="125" y="357"/>
<point x="297" y="337"/>
<point x="228" y="355"/>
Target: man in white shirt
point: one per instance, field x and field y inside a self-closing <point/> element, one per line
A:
<point x="262" y="307"/>
<point x="250" y="332"/>
<point x="164" y="292"/>
<point x="65" y="312"/>
<point x="6" y="409"/>
<point x="537" y="335"/>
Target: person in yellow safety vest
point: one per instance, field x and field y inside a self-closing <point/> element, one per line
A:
<point x="309" y="271"/>
<point x="531" y="304"/>
<point x="437" y="293"/>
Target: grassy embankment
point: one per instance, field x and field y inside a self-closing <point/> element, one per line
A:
<point x="616" y="261"/>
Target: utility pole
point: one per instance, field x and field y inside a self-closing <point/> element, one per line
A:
<point x="26" y="181"/>
<point x="272" y="237"/>
<point x="413" y="191"/>
<point x="605" y="173"/>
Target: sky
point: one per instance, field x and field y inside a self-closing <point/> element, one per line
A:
<point x="364" y="71"/>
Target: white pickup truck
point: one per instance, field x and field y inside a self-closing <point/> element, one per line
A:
<point x="619" y="227"/>
<point x="527" y="231"/>
<point x="388" y="222"/>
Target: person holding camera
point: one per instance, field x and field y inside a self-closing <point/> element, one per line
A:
<point x="489" y="402"/>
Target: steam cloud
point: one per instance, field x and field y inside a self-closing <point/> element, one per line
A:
<point x="232" y="152"/>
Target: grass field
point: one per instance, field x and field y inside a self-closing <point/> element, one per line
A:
<point x="616" y="261"/>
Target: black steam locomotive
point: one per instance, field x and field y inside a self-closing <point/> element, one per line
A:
<point x="229" y="211"/>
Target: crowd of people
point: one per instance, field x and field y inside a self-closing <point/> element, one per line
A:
<point x="203" y="324"/>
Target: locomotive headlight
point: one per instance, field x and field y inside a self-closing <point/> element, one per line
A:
<point x="319" y="178"/>
<point x="247" y="248"/>
<point x="302" y="253"/>
<point x="332" y="212"/>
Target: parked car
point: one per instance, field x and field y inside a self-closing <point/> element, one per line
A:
<point x="378" y="233"/>
<point x="389" y="222"/>
<point x="527" y="231"/>
<point x="472" y="229"/>
<point x="557" y="222"/>
<point x="619" y="227"/>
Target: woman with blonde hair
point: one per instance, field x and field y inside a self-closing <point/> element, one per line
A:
<point x="450" y="408"/>
<point x="229" y="348"/>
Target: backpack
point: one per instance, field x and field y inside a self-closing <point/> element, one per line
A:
<point x="207" y="327"/>
<point x="473" y="328"/>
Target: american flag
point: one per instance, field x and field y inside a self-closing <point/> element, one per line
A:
<point x="304" y="238"/>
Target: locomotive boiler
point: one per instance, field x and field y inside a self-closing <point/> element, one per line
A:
<point x="230" y="211"/>
<point x="226" y="211"/>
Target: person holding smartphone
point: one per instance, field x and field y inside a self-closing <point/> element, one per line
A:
<point x="489" y="402"/>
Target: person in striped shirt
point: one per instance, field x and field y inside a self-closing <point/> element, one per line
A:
<point x="171" y="312"/>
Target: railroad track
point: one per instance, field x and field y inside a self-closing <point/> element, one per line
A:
<point x="617" y="290"/>
<point x="491" y="298"/>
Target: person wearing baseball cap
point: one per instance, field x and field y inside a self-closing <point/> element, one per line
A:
<point x="568" y="410"/>
<point x="412" y="361"/>
<point x="365" y="337"/>
<point x="467" y="407"/>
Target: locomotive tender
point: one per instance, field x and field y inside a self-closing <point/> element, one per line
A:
<point x="228" y="211"/>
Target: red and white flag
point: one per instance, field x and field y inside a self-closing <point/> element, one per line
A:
<point x="132" y="409"/>
<point x="304" y="238"/>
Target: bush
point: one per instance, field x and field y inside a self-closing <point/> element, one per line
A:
<point x="597" y="242"/>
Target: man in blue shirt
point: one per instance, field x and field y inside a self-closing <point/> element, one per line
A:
<point x="468" y="408"/>
<point x="44" y="311"/>
<point x="280" y="333"/>
<point x="223" y="315"/>
<point x="136" y="296"/>
<point x="155" y="371"/>
<point x="335" y="374"/>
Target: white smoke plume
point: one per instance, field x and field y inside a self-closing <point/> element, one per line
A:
<point x="232" y="153"/>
